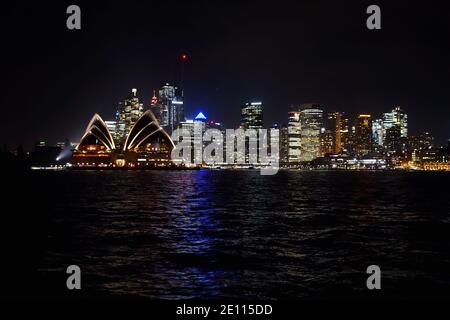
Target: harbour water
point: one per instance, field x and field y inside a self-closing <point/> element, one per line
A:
<point x="231" y="234"/>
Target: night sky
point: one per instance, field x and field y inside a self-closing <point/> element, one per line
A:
<point x="282" y="53"/>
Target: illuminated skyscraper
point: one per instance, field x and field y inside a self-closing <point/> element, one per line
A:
<point x="293" y="138"/>
<point x="326" y="141"/>
<point x="346" y="136"/>
<point x="284" y="146"/>
<point x="170" y="108"/>
<point x="311" y="123"/>
<point x="392" y="141"/>
<point x="363" y="135"/>
<point x="378" y="131"/>
<point x="331" y="134"/>
<point x="337" y="117"/>
<point x="111" y="125"/>
<point x="252" y="115"/>
<point x="397" y="117"/>
<point x="196" y="129"/>
<point x="128" y="112"/>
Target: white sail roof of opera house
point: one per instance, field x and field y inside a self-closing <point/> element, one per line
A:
<point x="98" y="129"/>
<point x="146" y="127"/>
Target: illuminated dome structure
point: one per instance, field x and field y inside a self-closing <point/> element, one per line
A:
<point x="96" y="136"/>
<point x="146" y="145"/>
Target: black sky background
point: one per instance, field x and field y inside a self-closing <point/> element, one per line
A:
<point x="280" y="52"/>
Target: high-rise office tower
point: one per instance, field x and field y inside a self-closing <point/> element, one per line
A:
<point x="274" y="134"/>
<point x="284" y="146"/>
<point x="293" y="138"/>
<point x="378" y="131"/>
<point x="251" y="118"/>
<point x="252" y="115"/>
<point x="331" y="133"/>
<point x="311" y="123"/>
<point x="169" y="107"/>
<point x="196" y="128"/>
<point x="326" y="141"/>
<point x="111" y="125"/>
<point x="363" y="135"/>
<point x="128" y="112"/>
<point x="393" y="141"/>
<point x="337" y="116"/>
<point x="345" y="134"/>
<point x="397" y="117"/>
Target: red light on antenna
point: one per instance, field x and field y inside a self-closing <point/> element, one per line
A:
<point x="184" y="57"/>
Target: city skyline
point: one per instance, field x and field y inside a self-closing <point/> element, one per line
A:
<point x="311" y="137"/>
<point x="111" y="119"/>
<point x="231" y="158"/>
<point x="280" y="55"/>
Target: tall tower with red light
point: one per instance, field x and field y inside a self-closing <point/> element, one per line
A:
<point x="183" y="61"/>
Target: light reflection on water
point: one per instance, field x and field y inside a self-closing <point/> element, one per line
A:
<point x="206" y="234"/>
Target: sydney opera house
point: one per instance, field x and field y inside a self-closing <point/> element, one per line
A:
<point x="146" y="145"/>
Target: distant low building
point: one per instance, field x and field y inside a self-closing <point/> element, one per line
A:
<point x="44" y="155"/>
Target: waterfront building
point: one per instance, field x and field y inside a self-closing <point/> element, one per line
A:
<point x="64" y="144"/>
<point x="346" y="136"/>
<point x="432" y="158"/>
<point x="128" y="112"/>
<point x="112" y="126"/>
<point x="378" y="132"/>
<point x="284" y="146"/>
<point x="293" y="135"/>
<point x="363" y="135"/>
<point x="397" y="117"/>
<point x="195" y="129"/>
<point x="392" y="140"/>
<point x="396" y="146"/>
<point x="44" y="155"/>
<point x="326" y="141"/>
<point x="145" y="145"/>
<point x="331" y="134"/>
<point x="311" y="122"/>
<point x="252" y="115"/>
<point x="274" y="134"/>
<point x="423" y="140"/>
<point x="169" y="107"/>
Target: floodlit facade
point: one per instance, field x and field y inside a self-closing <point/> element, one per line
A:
<point x="128" y="112"/>
<point x="311" y="122"/>
<point x="252" y="115"/>
<point x="363" y="135"/>
<point x="112" y="125"/>
<point x="97" y="134"/>
<point x="169" y="106"/>
<point x="196" y="128"/>
<point x="293" y="138"/>
<point x="397" y="117"/>
<point x="331" y="133"/>
<point x="146" y="144"/>
<point x="378" y="132"/>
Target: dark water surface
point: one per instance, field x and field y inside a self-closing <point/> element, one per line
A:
<point x="236" y="234"/>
